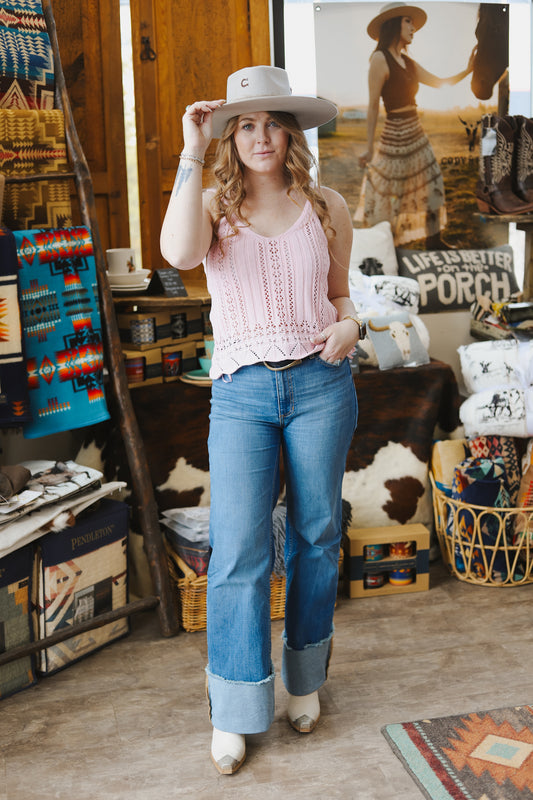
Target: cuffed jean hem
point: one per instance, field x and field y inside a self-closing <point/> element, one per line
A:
<point x="304" y="671"/>
<point x="241" y="706"/>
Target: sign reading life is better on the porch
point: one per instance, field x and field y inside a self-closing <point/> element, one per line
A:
<point x="453" y="279"/>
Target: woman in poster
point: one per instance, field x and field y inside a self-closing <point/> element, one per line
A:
<point x="403" y="183"/>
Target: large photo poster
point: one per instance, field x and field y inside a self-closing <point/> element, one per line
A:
<point x="413" y="84"/>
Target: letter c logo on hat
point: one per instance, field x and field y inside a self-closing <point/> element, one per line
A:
<point x="244" y="82"/>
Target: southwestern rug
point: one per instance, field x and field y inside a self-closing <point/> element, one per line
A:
<point x="486" y="755"/>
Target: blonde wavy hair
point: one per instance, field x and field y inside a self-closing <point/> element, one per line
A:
<point x="229" y="175"/>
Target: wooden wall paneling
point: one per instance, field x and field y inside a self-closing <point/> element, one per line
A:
<point x="196" y="45"/>
<point x="259" y="21"/>
<point x="115" y="145"/>
<point x="147" y="116"/>
<point x="89" y="42"/>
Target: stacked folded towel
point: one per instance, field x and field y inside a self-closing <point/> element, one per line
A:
<point x="499" y="375"/>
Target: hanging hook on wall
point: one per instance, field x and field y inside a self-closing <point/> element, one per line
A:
<point x="147" y="53"/>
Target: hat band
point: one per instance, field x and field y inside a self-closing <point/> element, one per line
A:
<point x="241" y="97"/>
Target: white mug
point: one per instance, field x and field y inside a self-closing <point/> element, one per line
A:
<point x="120" y="260"/>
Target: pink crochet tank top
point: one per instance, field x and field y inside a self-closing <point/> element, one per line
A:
<point x="269" y="295"/>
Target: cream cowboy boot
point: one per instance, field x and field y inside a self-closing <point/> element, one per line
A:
<point x="228" y="751"/>
<point x="304" y="712"/>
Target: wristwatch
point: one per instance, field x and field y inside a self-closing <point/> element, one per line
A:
<point x="359" y="323"/>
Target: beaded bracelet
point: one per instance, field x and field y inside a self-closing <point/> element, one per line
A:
<point x="189" y="157"/>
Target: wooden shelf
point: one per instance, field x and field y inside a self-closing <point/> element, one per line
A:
<point x="196" y="296"/>
<point x="524" y="219"/>
<point x="523" y="222"/>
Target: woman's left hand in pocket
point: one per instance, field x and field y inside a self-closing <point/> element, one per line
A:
<point x="339" y="340"/>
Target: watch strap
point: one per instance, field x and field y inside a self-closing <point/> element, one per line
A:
<point x="361" y="325"/>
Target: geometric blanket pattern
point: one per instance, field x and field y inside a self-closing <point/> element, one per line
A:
<point x="62" y="333"/>
<point x="476" y="756"/>
<point x="33" y="142"/>
<point x="14" y="400"/>
<point x="26" y="60"/>
<point x="15" y="620"/>
<point x="505" y="447"/>
<point x="82" y="573"/>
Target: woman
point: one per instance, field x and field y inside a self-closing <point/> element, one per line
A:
<point x="404" y="183"/>
<point x="276" y="249"/>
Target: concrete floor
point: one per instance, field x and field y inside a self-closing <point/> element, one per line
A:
<point x="130" y="722"/>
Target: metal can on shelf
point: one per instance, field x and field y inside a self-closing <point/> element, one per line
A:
<point x="171" y="364"/>
<point x="135" y="369"/>
<point x="373" y="580"/>
<point x="142" y="331"/>
<point x="401" y="549"/>
<point x="374" y="552"/>
<point x="401" y="577"/>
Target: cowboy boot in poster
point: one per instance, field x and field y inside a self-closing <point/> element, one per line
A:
<point x="494" y="190"/>
<point x="523" y="167"/>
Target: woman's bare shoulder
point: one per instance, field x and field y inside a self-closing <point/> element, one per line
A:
<point x="335" y="200"/>
<point x="378" y="64"/>
<point x="378" y="57"/>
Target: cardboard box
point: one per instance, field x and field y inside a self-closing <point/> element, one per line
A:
<point x="80" y="573"/>
<point x="144" y="331"/>
<point x="143" y="369"/>
<point x="15" y="620"/>
<point x="357" y="567"/>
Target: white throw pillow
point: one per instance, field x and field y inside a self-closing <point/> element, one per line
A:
<point x="376" y="243"/>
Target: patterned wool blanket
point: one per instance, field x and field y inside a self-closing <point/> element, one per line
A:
<point x="62" y="334"/>
<point x="481" y="482"/>
<point x="14" y="400"/>
<point x="26" y="60"/>
<point x="33" y="142"/>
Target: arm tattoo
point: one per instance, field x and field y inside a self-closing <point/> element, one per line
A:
<point x="183" y="175"/>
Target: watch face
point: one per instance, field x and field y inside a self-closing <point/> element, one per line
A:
<point x="362" y="331"/>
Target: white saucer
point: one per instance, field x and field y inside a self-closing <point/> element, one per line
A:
<point x="127" y="278"/>
<point x="140" y="287"/>
<point x="196" y="376"/>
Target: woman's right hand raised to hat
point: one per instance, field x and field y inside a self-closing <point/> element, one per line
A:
<point x="198" y="125"/>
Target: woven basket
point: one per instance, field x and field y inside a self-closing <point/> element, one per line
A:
<point x="192" y="591"/>
<point x="474" y="560"/>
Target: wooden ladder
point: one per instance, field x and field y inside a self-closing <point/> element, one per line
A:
<point x="163" y="598"/>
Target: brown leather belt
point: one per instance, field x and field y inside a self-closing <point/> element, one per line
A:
<point x="279" y="366"/>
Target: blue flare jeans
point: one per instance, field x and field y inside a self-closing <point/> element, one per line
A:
<point x="309" y="412"/>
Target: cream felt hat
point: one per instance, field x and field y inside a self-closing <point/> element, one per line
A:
<point x="391" y="10"/>
<point x="267" y="89"/>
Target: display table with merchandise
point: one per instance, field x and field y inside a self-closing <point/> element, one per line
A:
<point x="386" y="479"/>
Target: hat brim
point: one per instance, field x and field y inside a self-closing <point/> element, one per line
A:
<point x="418" y="16"/>
<point x="310" y="112"/>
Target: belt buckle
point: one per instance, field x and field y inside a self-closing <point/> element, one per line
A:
<point x="284" y="367"/>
